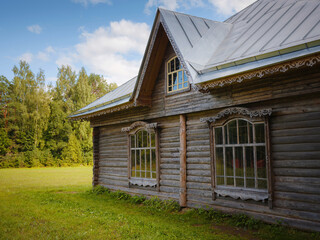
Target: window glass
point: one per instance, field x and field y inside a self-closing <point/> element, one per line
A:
<point x="218" y="136"/>
<point x="176" y="77"/>
<point x="259" y="128"/>
<point x="143" y="155"/>
<point x="240" y="154"/>
<point x="243" y="131"/>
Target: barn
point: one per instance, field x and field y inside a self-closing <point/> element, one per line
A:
<point x="223" y="115"/>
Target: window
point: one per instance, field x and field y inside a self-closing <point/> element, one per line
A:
<point x="143" y="157"/>
<point x="240" y="154"/>
<point x="176" y="78"/>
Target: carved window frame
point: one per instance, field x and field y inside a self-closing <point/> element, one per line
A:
<point x="254" y="117"/>
<point x="132" y="130"/>
<point x="176" y="71"/>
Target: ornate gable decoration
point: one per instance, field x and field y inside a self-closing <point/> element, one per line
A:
<point x="239" y="111"/>
<point x="138" y="125"/>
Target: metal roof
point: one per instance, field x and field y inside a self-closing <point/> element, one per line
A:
<point x="118" y="96"/>
<point x="265" y="33"/>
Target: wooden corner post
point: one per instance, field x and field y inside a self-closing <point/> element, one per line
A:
<point x="183" y="161"/>
<point x="96" y="156"/>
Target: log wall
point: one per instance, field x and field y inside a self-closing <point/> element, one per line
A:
<point x="295" y="144"/>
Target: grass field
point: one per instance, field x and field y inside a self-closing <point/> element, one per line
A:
<point x="57" y="203"/>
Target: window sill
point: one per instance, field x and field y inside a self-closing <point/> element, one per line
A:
<point x="242" y="193"/>
<point x="145" y="182"/>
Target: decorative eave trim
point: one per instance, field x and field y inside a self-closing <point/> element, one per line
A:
<point x="240" y="111"/>
<point x="103" y="112"/>
<point x="284" y="67"/>
<point x="140" y="124"/>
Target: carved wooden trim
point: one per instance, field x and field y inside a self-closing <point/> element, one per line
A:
<point x="143" y="182"/>
<point x="284" y="67"/>
<point x="239" y="111"/>
<point x="138" y="125"/>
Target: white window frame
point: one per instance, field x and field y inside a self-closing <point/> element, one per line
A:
<point x="184" y="84"/>
<point x="132" y="131"/>
<point x="254" y="117"/>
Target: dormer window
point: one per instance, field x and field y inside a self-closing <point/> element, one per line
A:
<point x="176" y="76"/>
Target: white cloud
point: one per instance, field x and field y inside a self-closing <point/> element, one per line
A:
<point x="114" y="51"/>
<point x="34" y="29"/>
<point x="172" y="5"/>
<point x="228" y="7"/>
<point x="167" y="4"/>
<point x="45" y="55"/>
<point x="93" y="2"/>
<point x="26" y="57"/>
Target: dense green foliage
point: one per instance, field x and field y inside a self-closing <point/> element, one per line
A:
<point x="59" y="203"/>
<point x="34" y="126"/>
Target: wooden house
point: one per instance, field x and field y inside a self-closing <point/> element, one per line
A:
<point x="221" y="114"/>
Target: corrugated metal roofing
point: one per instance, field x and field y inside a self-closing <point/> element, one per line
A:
<point x="114" y="98"/>
<point x="265" y="26"/>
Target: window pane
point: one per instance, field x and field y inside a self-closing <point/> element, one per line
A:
<point x="170" y="80"/>
<point x="250" y="183"/>
<point x="148" y="165"/>
<point x="143" y="163"/>
<point x="243" y="131"/>
<point x="139" y="139"/>
<point x="172" y="65"/>
<point x="138" y="163"/>
<point x="169" y="67"/>
<point x="153" y="155"/>
<point x="262" y="184"/>
<point x="179" y="86"/>
<point x="175" y="78"/>
<point x="133" y="144"/>
<point x="170" y="89"/>
<point x="185" y="84"/>
<point x="133" y="158"/>
<point x="230" y="181"/>
<point x="239" y="182"/>
<point x="153" y="139"/>
<point x="185" y="79"/>
<point x="250" y="133"/>
<point x="259" y="128"/>
<point x="261" y="162"/>
<point x="177" y="63"/>
<point x="239" y="161"/>
<point x="229" y="161"/>
<point x="219" y="161"/>
<point x="175" y="87"/>
<point x="232" y="132"/>
<point x="180" y="76"/>
<point x="250" y="162"/>
<point x="218" y="136"/>
<point x="145" y="138"/>
<point x="220" y="180"/>
<point x="154" y="175"/>
<point x="226" y="135"/>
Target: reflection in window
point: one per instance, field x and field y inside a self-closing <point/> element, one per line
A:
<point x="143" y="155"/>
<point x="240" y="154"/>
<point x="177" y="78"/>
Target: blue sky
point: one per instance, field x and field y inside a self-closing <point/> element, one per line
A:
<point x="106" y="37"/>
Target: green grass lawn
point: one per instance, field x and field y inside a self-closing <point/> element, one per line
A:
<point x="57" y="203"/>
